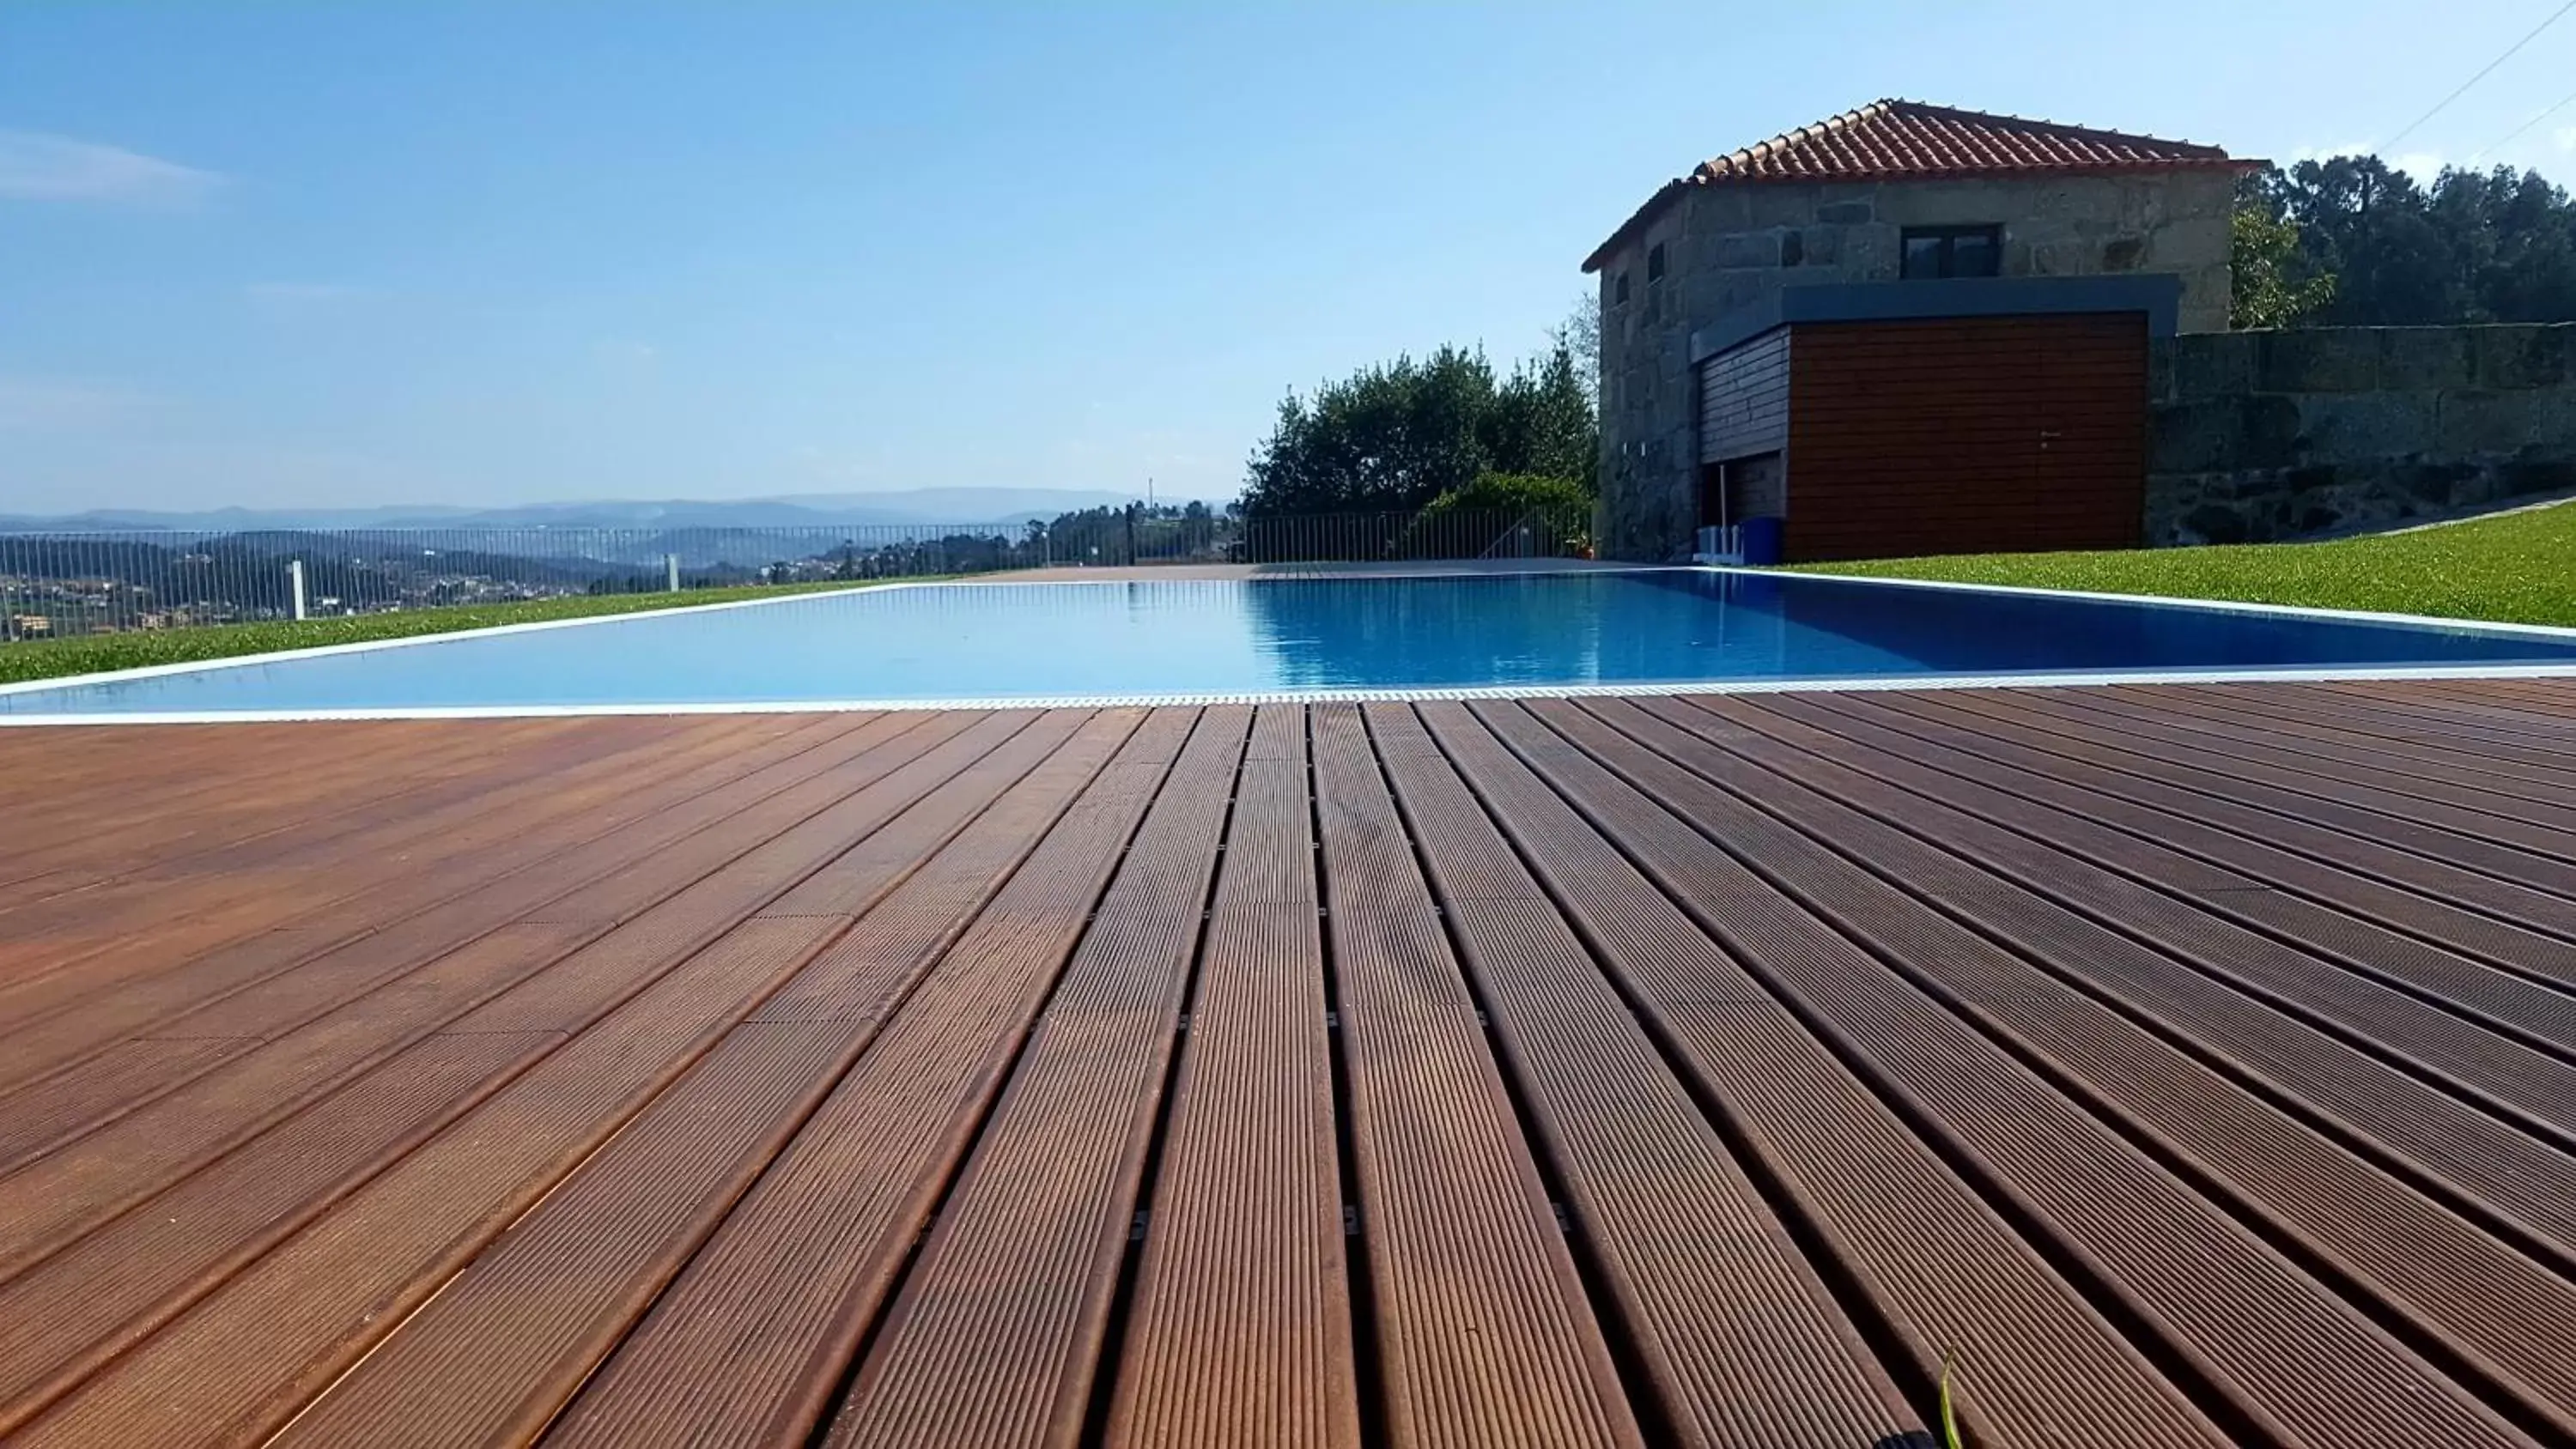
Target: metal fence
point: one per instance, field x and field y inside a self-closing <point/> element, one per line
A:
<point x="54" y="584"/>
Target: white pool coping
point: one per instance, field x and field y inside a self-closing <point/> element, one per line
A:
<point x="1818" y="684"/>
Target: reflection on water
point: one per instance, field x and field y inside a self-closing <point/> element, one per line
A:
<point x="1034" y="641"/>
<point x="1561" y="629"/>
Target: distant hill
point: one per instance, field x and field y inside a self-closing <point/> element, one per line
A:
<point x="911" y="506"/>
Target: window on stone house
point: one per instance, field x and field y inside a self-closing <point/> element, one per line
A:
<point x="1619" y="290"/>
<point x="1655" y="262"/>
<point x="1953" y="251"/>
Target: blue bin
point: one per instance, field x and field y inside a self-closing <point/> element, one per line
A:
<point x="1760" y="538"/>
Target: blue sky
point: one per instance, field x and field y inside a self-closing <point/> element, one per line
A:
<point x="298" y="254"/>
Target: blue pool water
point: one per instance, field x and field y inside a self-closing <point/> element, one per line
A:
<point x="987" y="641"/>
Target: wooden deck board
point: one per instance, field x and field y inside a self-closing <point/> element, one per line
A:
<point x="1241" y="1326"/>
<point x="2488" y="783"/>
<point x="997" y="1332"/>
<point x="2506" y="1177"/>
<point x="2398" y="743"/>
<point x="2515" y="885"/>
<point x="540" y="974"/>
<point x="1741" y="1341"/>
<point x="2188" y="1064"/>
<point x="152" y="821"/>
<point x="2038" y="842"/>
<point x="392" y="813"/>
<point x="1485" y="1334"/>
<point x="2396" y="922"/>
<point x="2454" y="712"/>
<point x="2533" y="818"/>
<point x="279" y="981"/>
<point x="608" y="823"/>
<point x="1941" y="1266"/>
<point x="2323" y="1204"/>
<point x="2272" y="1338"/>
<point x="500" y="1350"/>
<point x="753" y="1341"/>
<point x="234" y="1367"/>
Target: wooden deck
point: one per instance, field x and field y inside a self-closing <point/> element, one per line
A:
<point x="2188" y="1065"/>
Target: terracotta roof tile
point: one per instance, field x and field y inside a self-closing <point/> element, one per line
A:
<point x="1898" y="140"/>
<point x="1910" y="139"/>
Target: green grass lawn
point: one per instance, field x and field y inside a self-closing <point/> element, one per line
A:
<point x="2515" y="568"/>
<point x="97" y="653"/>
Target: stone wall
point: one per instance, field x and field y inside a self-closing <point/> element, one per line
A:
<point x="2254" y="436"/>
<point x="1725" y="246"/>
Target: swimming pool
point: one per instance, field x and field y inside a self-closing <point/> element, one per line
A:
<point x="1176" y="640"/>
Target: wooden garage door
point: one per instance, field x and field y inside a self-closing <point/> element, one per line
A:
<point x="1967" y="435"/>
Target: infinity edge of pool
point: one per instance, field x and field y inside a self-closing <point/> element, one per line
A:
<point x="2554" y="639"/>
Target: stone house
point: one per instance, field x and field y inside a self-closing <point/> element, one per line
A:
<point x="1902" y="329"/>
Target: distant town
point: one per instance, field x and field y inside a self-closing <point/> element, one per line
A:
<point x="56" y="583"/>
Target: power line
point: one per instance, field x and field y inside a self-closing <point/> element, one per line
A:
<point x="2510" y="51"/>
<point x="2511" y="136"/>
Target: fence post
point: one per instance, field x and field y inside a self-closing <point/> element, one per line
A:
<point x="671" y="572"/>
<point x="295" y="583"/>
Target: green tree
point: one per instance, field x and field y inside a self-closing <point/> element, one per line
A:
<point x="2515" y="241"/>
<point x="1512" y="493"/>
<point x="1544" y="422"/>
<point x="2274" y="284"/>
<point x="1392" y="437"/>
<point x="2369" y="225"/>
<point x="1558" y="509"/>
<point x="1579" y="337"/>
<point x="2491" y="246"/>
